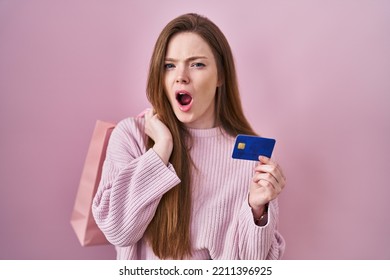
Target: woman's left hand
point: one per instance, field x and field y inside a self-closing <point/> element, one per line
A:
<point x="267" y="183"/>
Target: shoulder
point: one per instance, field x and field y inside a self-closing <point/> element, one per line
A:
<point x="129" y="131"/>
<point x="132" y="125"/>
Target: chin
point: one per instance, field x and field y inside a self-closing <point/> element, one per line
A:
<point x="184" y="118"/>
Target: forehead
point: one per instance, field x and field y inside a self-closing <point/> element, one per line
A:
<point x="188" y="44"/>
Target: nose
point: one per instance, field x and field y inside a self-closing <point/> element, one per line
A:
<point x="182" y="77"/>
<point x="182" y="80"/>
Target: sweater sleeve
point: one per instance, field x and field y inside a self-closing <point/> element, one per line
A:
<point x="132" y="184"/>
<point x="259" y="242"/>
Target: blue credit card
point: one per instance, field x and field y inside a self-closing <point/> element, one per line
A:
<point x="250" y="147"/>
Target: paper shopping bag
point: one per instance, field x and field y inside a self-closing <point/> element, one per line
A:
<point x="82" y="220"/>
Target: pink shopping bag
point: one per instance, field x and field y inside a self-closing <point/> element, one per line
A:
<point x="82" y="220"/>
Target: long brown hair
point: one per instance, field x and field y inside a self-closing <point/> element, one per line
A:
<point x="169" y="231"/>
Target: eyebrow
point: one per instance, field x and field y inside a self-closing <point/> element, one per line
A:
<point x="192" y="58"/>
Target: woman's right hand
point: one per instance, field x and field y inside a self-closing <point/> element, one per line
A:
<point x="159" y="132"/>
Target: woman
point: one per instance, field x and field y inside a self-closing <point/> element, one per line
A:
<point x="169" y="188"/>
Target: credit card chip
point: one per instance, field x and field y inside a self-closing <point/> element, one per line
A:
<point x="241" y="146"/>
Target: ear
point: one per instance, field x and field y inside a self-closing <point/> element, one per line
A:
<point x="220" y="81"/>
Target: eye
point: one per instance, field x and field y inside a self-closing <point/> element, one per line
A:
<point x="198" y="65"/>
<point x="169" y="66"/>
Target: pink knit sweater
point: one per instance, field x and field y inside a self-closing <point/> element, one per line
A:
<point x="222" y="227"/>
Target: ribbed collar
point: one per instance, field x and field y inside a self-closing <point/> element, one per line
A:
<point x="209" y="132"/>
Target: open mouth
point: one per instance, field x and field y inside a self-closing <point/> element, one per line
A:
<point x="183" y="98"/>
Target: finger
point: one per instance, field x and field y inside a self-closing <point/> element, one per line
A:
<point x="148" y="113"/>
<point x="274" y="170"/>
<point x="266" y="160"/>
<point x="267" y="180"/>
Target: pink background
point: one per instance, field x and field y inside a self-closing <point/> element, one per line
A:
<point x="313" y="74"/>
